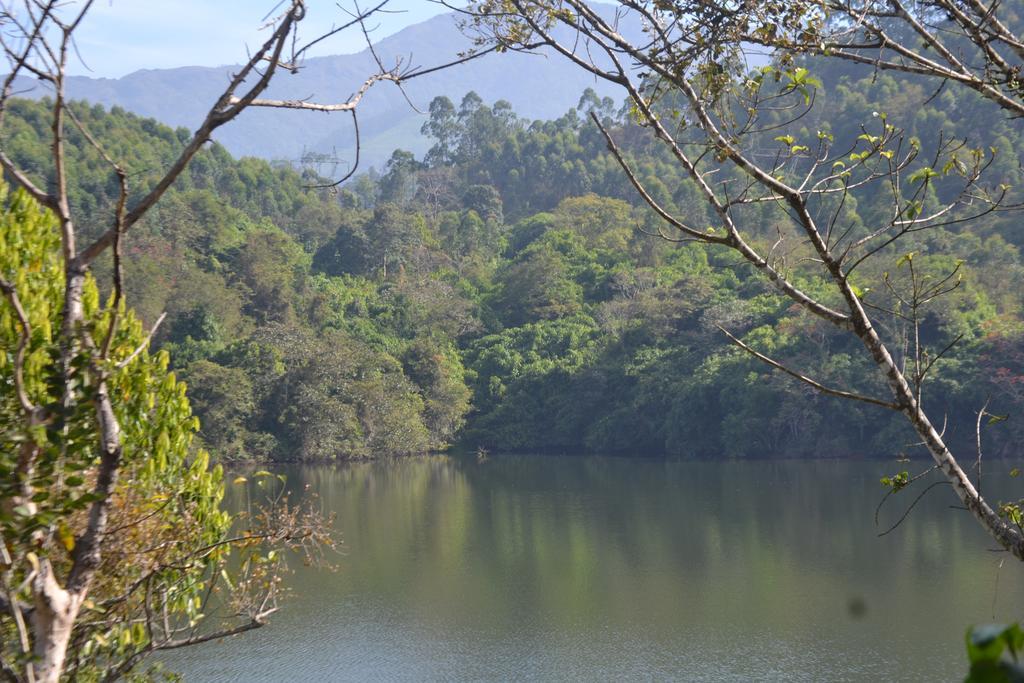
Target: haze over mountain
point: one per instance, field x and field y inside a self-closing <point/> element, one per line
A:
<point x="181" y="96"/>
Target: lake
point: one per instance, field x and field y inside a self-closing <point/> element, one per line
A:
<point x="615" y="569"/>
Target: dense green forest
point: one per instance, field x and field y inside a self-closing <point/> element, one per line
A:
<point x="509" y="291"/>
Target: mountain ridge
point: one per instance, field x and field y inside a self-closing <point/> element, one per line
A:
<point x="180" y="96"/>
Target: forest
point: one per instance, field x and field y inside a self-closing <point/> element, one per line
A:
<point x="510" y="291"/>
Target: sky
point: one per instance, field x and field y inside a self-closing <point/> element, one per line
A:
<point x="122" y="36"/>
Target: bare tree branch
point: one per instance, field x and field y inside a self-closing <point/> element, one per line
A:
<point x="227" y="107"/>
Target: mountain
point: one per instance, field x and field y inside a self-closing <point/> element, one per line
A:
<point x="538" y="86"/>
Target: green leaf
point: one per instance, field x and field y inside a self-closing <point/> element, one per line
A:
<point x="985" y="643"/>
<point x="922" y="174"/>
<point x="906" y="258"/>
<point x="896" y="481"/>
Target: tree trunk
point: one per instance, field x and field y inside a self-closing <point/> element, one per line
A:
<point x="997" y="527"/>
<point x="53" y="620"/>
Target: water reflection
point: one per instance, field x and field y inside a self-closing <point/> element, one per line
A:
<point x="615" y="569"/>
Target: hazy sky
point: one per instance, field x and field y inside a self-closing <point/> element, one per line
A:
<point x="121" y="36"/>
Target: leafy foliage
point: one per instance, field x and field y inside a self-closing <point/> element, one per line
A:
<point x="169" y="490"/>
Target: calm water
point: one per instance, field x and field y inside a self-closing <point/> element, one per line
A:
<point x="605" y="569"/>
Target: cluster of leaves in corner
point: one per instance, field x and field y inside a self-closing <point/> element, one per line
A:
<point x="992" y="652"/>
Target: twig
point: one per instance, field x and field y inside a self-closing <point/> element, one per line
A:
<point x="807" y="380"/>
<point x="977" y="434"/>
<point x="907" y="512"/>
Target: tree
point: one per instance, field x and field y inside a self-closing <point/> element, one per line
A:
<point x="398" y="184"/>
<point x="391" y="239"/>
<point x="736" y="135"/>
<point x="443" y="127"/>
<point x="112" y="538"/>
<point x="536" y="286"/>
<point x="163" y="491"/>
